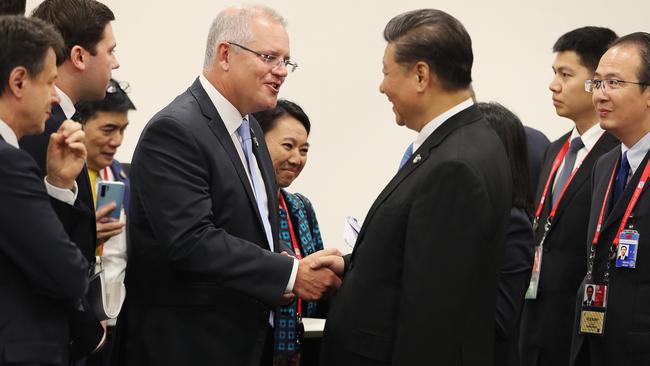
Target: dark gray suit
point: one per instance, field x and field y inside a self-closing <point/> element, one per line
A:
<point x="200" y="278"/>
<point x="420" y="285"/>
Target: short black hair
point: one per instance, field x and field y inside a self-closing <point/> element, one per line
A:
<point x="80" y="22"/>
<point x="436" y="38"/>
<point x="116" y="100"/>
<point x="589" y="43"/>
<point x="268" y="118"/>
<point x="12" y="7"/>
<point x="25" y="42"/>
<point x="642" y="41"/>
<point x="513" y="136"/>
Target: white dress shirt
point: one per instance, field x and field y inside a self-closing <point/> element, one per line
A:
<point x="232" y="119"/>
<point x="589" y="139"/>
<point x="433" y="125"/>
<point x="636" y="153"/>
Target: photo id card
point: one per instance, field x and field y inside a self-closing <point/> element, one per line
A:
<point x="628" y="245"/>
<point x="594" y="306"/>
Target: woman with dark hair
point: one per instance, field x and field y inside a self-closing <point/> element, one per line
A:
<point x="286" y="129"/>
<point x="519" y="246"/>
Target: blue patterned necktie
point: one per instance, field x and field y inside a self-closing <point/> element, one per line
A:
<point x="406" y="156"/>
<point x="621" y="179"/>
<point x="247" y="145"/>
<point x="567" y="169"/>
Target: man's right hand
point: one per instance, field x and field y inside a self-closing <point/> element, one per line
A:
<point x="107" y="226"/>
<point x="314" y="282"/>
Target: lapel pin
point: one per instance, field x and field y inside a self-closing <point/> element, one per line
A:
<point x="417" y="159"/>
<point x="255" y="141"/>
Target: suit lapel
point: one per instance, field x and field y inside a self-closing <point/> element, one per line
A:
<point x="463" y="118"/>
<point x="218" y="128"/>
<point x="616" y="214"/>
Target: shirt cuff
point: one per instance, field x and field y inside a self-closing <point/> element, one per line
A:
<point x="292" y="278"/>
<point x="64" y="195"/>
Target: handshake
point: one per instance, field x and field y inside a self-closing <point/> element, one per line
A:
<point x="319" y="274"/>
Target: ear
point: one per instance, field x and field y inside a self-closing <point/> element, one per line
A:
<point x="18" y="79"/>
<point x="79" y="57"/>
<point x="423" y="75"/>
<point x="223" y="55"/>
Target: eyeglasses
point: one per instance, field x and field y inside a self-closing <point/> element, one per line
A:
<point x="270" y="59"/>
<point x="609" y="84"/>
<point x="114" y="87"/>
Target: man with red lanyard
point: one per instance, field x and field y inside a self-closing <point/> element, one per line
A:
<point x="562" y="202"/>
<point x="617" y="332"/>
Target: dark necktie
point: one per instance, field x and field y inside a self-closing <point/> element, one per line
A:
<point x="406" y="156"/>
<point x="565" y="173"/>
<point x="621" y="179"/>
<point x="244" y="131"/>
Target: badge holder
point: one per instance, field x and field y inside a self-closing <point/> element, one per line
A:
<point x="531" y="292"/>
<point x="627" y="249"/>
<point x="594" y="299"/>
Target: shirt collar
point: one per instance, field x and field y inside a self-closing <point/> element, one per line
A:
<point x="65" y="103"/>
<point x="636" y="153"/>
<point x="428" y="129"/>
<point x="228" y="113"/>
<point x="590" y="137"/>
<point x="8" y="134"/>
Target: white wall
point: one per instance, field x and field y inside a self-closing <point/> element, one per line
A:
<point x="356" y="145"/>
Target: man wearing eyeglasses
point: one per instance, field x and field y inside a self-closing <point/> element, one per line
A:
<point x="620" y="205"/>
<point x="84" y="75"/>
<point x="104" y="123"/>
<point x="563" y="198"/>
<point x="205" y="267"/>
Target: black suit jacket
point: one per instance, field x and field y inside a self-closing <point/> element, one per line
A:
<point x="537" y="143"/>
<point x="547" y="321"/>
<point x="404" y="300"/>
<point x="626" y="340"/>
<point x="42" y="273"/>
<point x="513" y="282"/>
<point x="201" y="279"/>
<point x="79" y="224"/>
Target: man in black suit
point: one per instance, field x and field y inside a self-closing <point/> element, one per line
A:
<point x="548" y="315"/>
<point x="42" y="273"/>
<point x="84" y="75"/>
<point x="621" y="95"/>
<point x="403" y="300"/>
<point x="205" y="268"/>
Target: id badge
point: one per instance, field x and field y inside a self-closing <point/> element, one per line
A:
<point x="531" y="292"/>
<point x="593" y="309"/>
<point x="628" y="246"/>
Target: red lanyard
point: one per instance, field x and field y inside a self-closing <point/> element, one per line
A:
<point x="294" y="242"/>
<point x="556" y="165"/>
<point x="628" y="210"/>
<point x="105" y="173"/>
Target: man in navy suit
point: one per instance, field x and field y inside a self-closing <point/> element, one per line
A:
<point x="205" y="269"/>
<point x="42" y="273"/>
<point x="84" y="75"/>
<point x="621" y="95"/>
<point x="403" y="301"/>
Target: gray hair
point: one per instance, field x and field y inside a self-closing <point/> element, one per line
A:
<point x="232" y="25"/>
